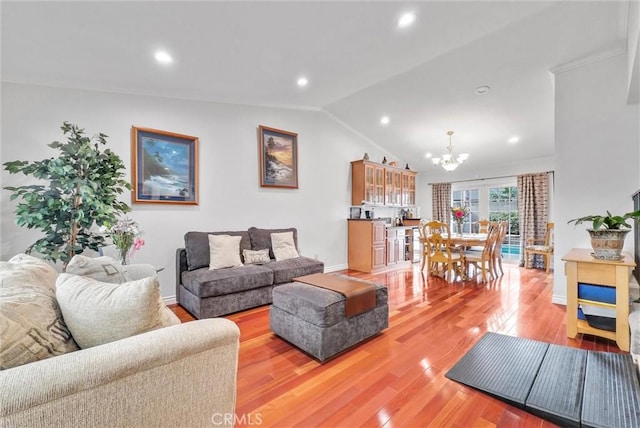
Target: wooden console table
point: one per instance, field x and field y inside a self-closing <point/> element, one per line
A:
<point x="581" y="267"/>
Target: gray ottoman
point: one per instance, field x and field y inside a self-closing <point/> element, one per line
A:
<point x="312" y="318"/>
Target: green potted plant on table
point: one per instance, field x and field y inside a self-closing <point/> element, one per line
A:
<point x="83" y="186"/>
<point x="608" y="233"/>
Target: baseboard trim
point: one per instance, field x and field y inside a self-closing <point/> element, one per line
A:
<point x="559" y="300"/>
<point x="335" y="268"/>
<point x="169" y="300"/>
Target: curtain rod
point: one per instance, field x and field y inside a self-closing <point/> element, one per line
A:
<point x="490" y="178"/>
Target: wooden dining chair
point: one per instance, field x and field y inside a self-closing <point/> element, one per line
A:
<point x="426" y="229"/>
<point x="439" y="256"/>
<point x="503" y="227"/>
<point x="483" y="225"/>
<point x="543" y="247"/>
<point x="483" y="260"/>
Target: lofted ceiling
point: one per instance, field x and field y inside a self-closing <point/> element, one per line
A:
<point x="360" y="66"/>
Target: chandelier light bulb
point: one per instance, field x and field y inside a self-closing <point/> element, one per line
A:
<point x="449" y="161"/>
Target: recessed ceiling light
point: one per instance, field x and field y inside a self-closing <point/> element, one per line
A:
<point x="163" y="57"/>
<point x="384" y="120"/>
<point x="302" y="81"/>
<point x="513" y="140"/>
<point x="428" y="155"/>
<point x="481" y="90"/>
<point x="406" y="20"/>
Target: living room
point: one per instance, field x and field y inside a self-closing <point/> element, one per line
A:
<point x="592" y="135"/>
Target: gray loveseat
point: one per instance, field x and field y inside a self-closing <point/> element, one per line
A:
<point x="211" y="293"/>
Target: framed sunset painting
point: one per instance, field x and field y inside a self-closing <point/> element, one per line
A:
<point x="278" y="158"/>
<point x="165" y="167"/>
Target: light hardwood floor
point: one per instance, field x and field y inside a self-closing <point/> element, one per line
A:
<point x="396" y="379"/>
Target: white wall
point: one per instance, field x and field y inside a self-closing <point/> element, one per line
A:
<point x="230" y="195"/>
<point x="597" y="145"/>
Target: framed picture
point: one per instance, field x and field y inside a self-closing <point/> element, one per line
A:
<point x="165" y="167"/>
<point x="278" y="158"/>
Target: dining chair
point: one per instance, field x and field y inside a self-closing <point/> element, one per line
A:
<point x="426" y="229"/>
<point x="483" y="260"/>
<point x="543" y="247"/>
<point x="503" y="226"/>
<point x="439" y="252"/>
<point x="483" y="225"/>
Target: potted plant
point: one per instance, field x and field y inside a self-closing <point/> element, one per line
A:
<point x="82" y="192"/>
<point x="608" y="233"/>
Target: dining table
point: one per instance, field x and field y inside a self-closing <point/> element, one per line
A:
<point x="462" y="242"/>
<point x="467" y="239"/>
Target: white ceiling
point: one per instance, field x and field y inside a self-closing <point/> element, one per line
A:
<point x="359" y="64"/>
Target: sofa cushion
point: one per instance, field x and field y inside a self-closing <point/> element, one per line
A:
<point x="99" y="312"/>
<point x="197" y="246"/>
<point x="23" y="269"/>
<point x="256" y="257"/>
<point x="32" y="326"/>
<point x="285" y="270"/>
<point x="224" y="251"/>
<point x="261" y="238"/>
<point x="103" y="269"/>
<point x="207" y="283"/>
<point x="283" y="246"/>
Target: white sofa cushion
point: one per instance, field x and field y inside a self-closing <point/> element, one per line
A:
<point x="98" y="312"/>
<point x="283" y="246"/>
<point x="256" y="257"/>
<point x="103" y="269"/>
<point x="224" y="251"/>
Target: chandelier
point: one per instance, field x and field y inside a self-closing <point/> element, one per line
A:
<point x="449" y="161"/>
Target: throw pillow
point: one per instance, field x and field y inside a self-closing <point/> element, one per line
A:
<point x="32" y="326"/>
<point x="25" y="269"/>
<point x="103" y="269"/>
<point x="107" y="269"/>
<point x="256" y="257"/>
<point x="224" y="251"/>
<point x="283" y="246"/>
<point x="99" y="312"/>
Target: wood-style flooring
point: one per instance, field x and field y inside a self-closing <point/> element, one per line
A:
<point x="396" y="379"/>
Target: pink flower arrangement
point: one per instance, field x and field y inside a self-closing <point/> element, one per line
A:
<point x="460" y="213"/>
<point x="137" y="244"/>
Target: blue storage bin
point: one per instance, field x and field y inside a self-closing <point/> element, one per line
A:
<point x="598" y="293"/>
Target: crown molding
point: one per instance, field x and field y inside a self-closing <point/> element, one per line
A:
<point x="581" y="62"/>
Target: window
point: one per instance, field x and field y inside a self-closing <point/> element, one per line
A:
<point x="467" y="198"/>
<point x="503" y="206"/>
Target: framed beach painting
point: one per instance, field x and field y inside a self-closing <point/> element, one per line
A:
<point x="165" y="167"/>
<point x="278" y="158"/>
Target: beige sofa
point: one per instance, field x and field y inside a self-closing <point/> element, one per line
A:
<point x="183" y="375"/>
<point x="178" y="376"/>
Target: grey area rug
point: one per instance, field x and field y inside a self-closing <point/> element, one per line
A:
<point x="567" y="386"/>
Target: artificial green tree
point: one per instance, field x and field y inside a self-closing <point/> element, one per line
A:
<point x="82" y="192"/>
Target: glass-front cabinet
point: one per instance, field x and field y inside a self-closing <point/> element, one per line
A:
<point x="378" y="184"/>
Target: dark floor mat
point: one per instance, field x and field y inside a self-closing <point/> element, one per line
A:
<point x="611" y="391"/>
<point x="567" y="386"/>
<point x="503" y="366"/>
<point x="556" y="394"/>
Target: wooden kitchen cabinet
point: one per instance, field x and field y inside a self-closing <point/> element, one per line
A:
<point x="395" y="246"/>
<point x="408" y="188"/>
<point x="366" y="245"/>
<point x="379" y="184"/>
<point x="367" y="182"/>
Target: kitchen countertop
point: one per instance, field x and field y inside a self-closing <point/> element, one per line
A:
<point x="388" y="226"/>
